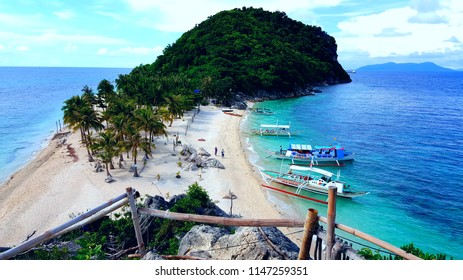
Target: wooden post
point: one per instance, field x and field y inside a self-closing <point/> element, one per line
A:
<point x="310" y="228"/>
<point x="136" y="220"/>
<point x="331" y="225"/>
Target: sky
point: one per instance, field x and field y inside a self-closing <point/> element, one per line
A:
<point x="127" y="33"/>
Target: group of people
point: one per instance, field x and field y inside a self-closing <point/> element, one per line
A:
<point x="222" y="152"/>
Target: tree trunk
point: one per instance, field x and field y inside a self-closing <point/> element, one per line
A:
<point x="135" y="170"/>
<point x="121" y="159"/>
<point x="107" y="169"/>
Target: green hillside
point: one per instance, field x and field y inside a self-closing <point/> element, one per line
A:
<point x="250" y="50"/>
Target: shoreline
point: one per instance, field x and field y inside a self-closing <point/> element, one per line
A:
<point x="52" y="187"/>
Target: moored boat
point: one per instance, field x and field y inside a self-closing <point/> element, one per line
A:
<point x="261" y="111"/>
<point x="316" y="155"/>
<point x="274" y="130"/>
<point x="312" y="179"/>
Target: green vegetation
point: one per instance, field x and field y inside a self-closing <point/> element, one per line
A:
<point x="251" y="49"/>
<point x="113" y="238"/>
<point x="368" y="254"/>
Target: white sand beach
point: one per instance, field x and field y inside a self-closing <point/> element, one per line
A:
<point x="53" y="186"/>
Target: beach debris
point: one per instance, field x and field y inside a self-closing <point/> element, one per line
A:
<point x="72" y="153"/>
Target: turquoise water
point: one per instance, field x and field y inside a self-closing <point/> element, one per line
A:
<point x="407" y="133"/>
<point x="30" y="107"/>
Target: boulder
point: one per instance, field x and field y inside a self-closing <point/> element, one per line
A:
<point x="212" y="162"/>
<point x="247" y="243"/>
<point x="203" y="152"/>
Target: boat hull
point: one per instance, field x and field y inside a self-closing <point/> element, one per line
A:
<point x="316" y="160"/>
<point x="285" y="179"/>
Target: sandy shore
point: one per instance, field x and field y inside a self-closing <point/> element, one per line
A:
<point x="55" y="185"/>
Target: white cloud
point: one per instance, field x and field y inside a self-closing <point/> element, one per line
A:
<point x="70" y="48"/>
<point x="102" y="51"/>
<point x="22" y="48"/>
<point x="393" y="33"/>
<point x="135" y="51"/>
<point x="67" y="14"/>
<point x="2" y="47"/>
<point x="182" y="15"/>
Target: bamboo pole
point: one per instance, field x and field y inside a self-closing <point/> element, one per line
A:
<point x="331" y="225"/>
<point x="95" y="217"/>
<point x="222" y="220"/>
<point x="373" y="240"/>
<point x="136" y="220"/>
<point x="310" y="228"/>
<point x="50" y="233"/>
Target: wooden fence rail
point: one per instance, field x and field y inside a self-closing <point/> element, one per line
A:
<point x="27" y="245"/>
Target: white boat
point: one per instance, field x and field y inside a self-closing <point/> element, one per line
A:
<point x="312" y="179"/>
<point x="261" y="111"/>
<point x="274" y="130"/>
<point x="316" y="155"/>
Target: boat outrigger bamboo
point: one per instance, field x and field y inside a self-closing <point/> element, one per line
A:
<point x="274" y="130"/>
<point x="312" y="179"/>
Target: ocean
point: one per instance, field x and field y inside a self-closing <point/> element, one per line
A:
<point x="30" y="107"/>
<point x="406" y="130"/>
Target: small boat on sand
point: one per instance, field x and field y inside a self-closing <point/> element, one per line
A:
<point x="312" y="179"/>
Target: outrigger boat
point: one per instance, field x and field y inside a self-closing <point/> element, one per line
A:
<point x="274" y="130"/>
<point x="317" y="155"/>
<point x="261" y="111"/>
<point x="312" y="179"/>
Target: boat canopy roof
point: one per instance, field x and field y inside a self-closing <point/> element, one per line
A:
<point x="301" y="147"/>
<point x="312" y="169"/>
<point x="274" y="126"/>
<point x="337" y="147"/>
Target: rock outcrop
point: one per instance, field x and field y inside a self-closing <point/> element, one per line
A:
<point x="247" y="243"/>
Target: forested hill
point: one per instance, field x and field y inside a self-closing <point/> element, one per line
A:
<point x="249" y="50"/>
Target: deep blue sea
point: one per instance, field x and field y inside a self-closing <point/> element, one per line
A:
<point x="30" y="107"/>
<point x="406" y="130"/>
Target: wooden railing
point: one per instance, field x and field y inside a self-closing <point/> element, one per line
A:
<point x="314" y="237"/>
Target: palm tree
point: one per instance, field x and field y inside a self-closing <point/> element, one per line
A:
<point x="175" y="106"/>
<point x="136" y="141"/>
<point x="79" y="114"/>
<point x="105" y="93"/>
<point x="152" y="125"/>
<point x="106" y="146"/>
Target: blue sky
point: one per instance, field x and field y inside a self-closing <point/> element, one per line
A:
<point x="127" y="33"/>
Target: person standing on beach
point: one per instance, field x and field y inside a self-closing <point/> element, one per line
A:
<point x="223" y="153"/>
<point x="215" y="151"/>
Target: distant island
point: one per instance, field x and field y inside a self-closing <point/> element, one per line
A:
<point x="412" y="67"/>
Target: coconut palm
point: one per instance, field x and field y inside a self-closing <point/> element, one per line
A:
<point x="136" y="141"/>
<point x="79" y="114"/>
<point x="106" y="147"/>
<point x="175" y="107"/>
<point x="152" y="125"/>
<point x="105" y="93"/>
